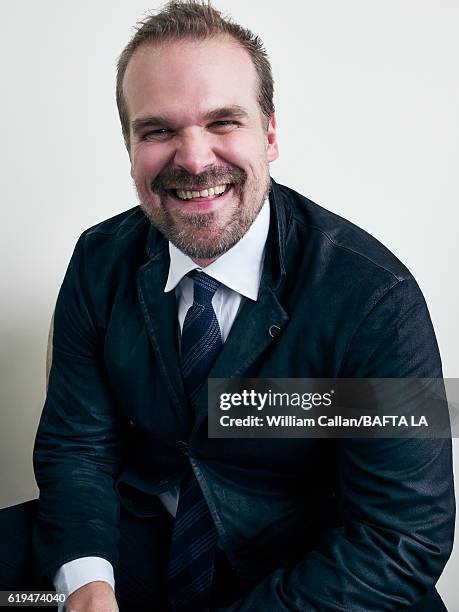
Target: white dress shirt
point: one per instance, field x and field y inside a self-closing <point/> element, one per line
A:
<point x="239" y="272"/>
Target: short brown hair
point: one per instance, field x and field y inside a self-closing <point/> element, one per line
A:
<point x="194" y="19"/>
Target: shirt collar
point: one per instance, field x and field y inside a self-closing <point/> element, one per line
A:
<point x="246" y="255"/>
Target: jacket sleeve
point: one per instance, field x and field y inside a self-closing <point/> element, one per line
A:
<point x="397" y="494"/>
<point x="77" y="447"/>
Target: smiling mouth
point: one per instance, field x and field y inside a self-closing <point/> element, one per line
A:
<point x="208" y="192"/>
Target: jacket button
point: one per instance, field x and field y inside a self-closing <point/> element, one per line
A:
<point x="274" y="330"/>
<point x="131" y="424"/>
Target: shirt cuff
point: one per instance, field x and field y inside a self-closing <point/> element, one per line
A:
<point x="75" y="574"/>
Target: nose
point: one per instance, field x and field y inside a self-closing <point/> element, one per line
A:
<point x="194" y="153"/>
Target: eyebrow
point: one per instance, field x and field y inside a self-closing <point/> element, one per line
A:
<point x="234" y="111"/>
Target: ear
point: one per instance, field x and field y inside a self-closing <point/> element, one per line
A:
<point x="272" y="148"/>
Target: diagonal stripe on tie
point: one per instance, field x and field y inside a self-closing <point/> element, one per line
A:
<point x="196" y="312"/>
<point x="191" y="562"/>
<point x="200" y="544"/>
<point x="199" y="510"/>
<point x="194" y="359"/>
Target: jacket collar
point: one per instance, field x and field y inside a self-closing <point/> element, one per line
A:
<point x="281" y="218"/>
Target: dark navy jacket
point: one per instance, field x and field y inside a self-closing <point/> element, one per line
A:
<point x="350" y="524"/>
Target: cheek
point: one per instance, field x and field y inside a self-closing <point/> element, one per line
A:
<point x="147" y="162"/>
<point x="245" y="152"/>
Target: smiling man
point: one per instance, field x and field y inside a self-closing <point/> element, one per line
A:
<point x="221" y="272"/>
<point x="199" y="150"/>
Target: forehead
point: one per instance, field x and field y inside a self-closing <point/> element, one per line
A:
<point x="189" y="76"/>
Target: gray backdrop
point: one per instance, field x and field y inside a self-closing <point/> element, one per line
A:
<point x="367" y="105"/>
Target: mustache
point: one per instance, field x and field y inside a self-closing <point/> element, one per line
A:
<point x="181" y="179"/>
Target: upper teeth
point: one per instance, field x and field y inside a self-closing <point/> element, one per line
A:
<point x="188" y="195"/>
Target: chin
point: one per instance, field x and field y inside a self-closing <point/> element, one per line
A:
<point x="199" y="246"/>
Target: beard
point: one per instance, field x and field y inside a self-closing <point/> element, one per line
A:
<point x="205" y="235"/>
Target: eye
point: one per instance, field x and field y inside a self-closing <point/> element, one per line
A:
<point x="224" y="124"/>
<point x="158" y="134"/>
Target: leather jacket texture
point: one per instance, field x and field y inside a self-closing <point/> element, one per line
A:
<point x="312" y="524"/>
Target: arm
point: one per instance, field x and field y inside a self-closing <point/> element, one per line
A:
<point x="397" y="494"/>
<point x="77" y="448"/>
<point x="94" y="573"/>
<point x="79" y="572"/>
<point x="93" y="597"/>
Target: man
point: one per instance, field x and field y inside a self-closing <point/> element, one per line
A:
<point x="224" y="273"/>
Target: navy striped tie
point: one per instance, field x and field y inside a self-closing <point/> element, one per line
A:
<point x="191" y="562"/>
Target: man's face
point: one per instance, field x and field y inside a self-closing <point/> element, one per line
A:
<point x="199" y="146"/>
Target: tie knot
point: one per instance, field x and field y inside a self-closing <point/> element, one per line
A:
<point x="204" y="287"/>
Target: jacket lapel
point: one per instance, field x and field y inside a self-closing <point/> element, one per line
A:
<point x="251" y="334"/>
<point x="160" y="313"/>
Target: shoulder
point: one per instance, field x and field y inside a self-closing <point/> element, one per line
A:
<point x="122" y="241"/>
<point x="345" y="244"/>
<point x="122" y="230"/>
<point x="108" y="255"/>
